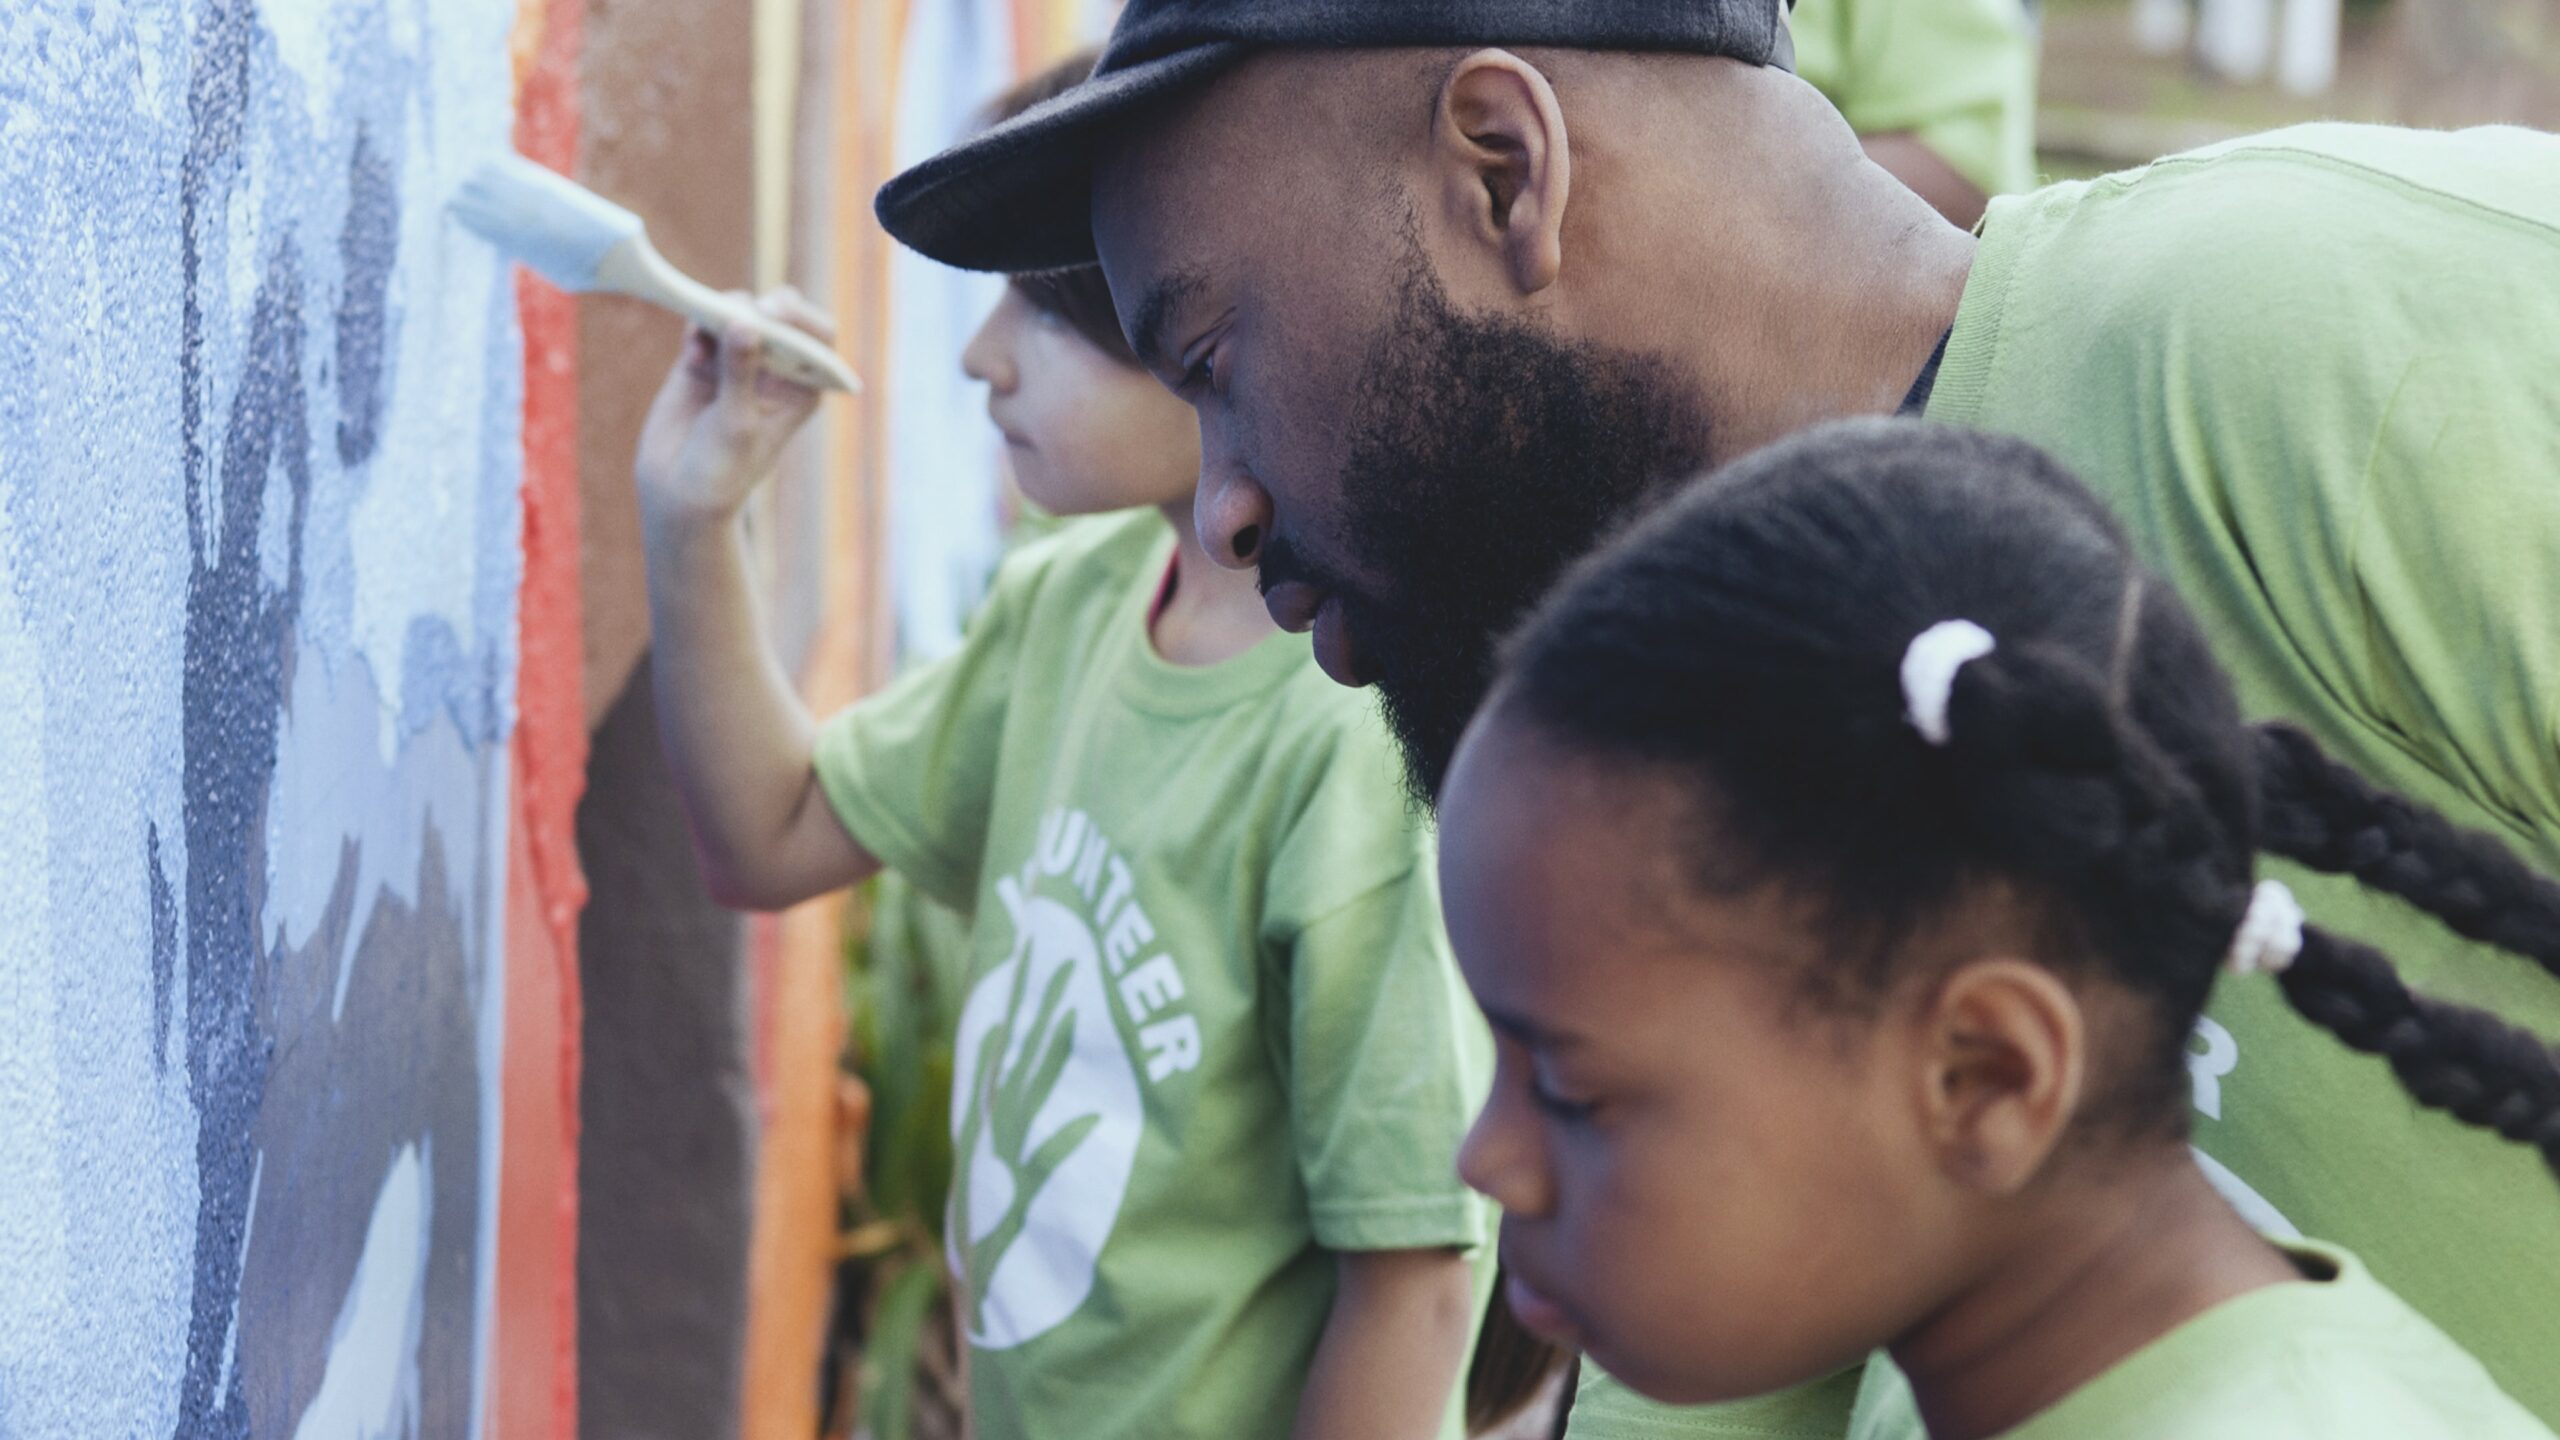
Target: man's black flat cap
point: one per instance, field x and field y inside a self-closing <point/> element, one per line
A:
<point x="1018" y="197"/>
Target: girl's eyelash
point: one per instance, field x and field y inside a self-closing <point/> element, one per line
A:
<point x="1572" y="1112"/>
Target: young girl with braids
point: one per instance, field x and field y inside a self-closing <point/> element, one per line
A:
<point x="1844" y="859"/>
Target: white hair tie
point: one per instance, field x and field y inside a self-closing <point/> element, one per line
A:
<point x="1929" y="673"/>
<point x="2270" y="934"/>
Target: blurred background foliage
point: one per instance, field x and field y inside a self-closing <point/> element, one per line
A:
<point x="900" y="1371"/>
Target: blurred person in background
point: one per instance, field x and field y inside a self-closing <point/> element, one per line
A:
<point x="1941" y="92"/>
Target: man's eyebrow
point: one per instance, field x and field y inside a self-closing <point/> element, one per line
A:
<point x="1164" y="300"/>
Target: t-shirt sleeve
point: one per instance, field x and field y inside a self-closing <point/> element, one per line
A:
<point x="1959" y="75"/>
<point x="2312" y="420"/>
<point x="1385" y="1056"/>
<point x="2378" y="489"/>
<point x="911" y="771"/>
<point x="2455" y="566"/>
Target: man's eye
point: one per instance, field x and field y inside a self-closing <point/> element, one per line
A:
<point x="1202" y="376"/>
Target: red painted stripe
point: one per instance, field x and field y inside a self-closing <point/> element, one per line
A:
<point x="533" y="1350"/>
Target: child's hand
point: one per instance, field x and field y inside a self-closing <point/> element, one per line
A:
<point x="722" y="419"/>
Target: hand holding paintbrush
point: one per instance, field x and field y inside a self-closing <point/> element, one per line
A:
<point x="724" y="417"/>
<point x="582" y="242"/>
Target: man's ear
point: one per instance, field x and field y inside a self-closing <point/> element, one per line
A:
<point x="1505" y="165"/>
<point x="2003" y="1064"/>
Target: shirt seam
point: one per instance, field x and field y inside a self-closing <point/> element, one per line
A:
<point x="2361" y="709"/>
<point x="2355" y="555"/>
<point x="1451" y="1218"/>
<point x="2521" y="827"/>
<point x="1383" y="1206"/>
<point x="2250" y="150"/>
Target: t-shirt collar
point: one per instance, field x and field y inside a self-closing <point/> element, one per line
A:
<point x="1916" y="402"/>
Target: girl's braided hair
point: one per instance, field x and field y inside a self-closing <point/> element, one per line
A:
<point x="1749" y="637"/>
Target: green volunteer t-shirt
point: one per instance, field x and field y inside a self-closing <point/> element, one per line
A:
<point x="2338" y="1357"/>
<point x="2317" y="374"/>
<point x="1213" y="1035"/>
<point x="1958" y="75"/>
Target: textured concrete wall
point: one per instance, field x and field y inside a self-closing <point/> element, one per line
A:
<point x="261" y="415"/>
<point x="669" y="1136"/>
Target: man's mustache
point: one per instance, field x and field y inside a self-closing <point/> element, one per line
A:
<point x="1281" y="562"/>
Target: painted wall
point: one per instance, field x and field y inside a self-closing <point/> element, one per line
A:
<point x="272" y="898"/>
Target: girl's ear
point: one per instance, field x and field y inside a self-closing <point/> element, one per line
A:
<point x="2003" y="1060"/>
<point x="1504" y="164"/>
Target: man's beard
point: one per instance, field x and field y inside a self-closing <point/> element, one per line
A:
<point x="1487" y="456"/>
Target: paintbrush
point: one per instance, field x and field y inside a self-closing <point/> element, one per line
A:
<point x="582" y="242"/>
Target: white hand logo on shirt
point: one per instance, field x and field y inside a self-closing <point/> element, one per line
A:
<point x="1045" y="1127"/>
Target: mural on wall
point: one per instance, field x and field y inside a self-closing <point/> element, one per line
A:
<point x="261" y="415"/>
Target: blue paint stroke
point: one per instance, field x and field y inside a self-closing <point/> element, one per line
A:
<point x="238" y="646"/>
<point x="366" y="249"/>
<point x="164" y="950"/>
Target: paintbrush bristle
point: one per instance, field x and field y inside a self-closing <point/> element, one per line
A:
<point x="553" y="224"/>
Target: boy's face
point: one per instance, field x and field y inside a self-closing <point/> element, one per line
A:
<point x="1085" y="434"/>
<point x="1712" y="1192"/>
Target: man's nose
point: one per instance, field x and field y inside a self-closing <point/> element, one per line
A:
<point x="1231" y="510"/>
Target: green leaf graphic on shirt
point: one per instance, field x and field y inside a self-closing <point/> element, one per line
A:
<point x="1008" y="1101"/>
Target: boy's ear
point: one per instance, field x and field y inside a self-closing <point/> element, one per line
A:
<point x="1504" y="165"/>
<point x="2003" y="1064"/>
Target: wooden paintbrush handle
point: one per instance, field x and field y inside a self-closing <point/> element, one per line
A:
<point x="635" y="268"/>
